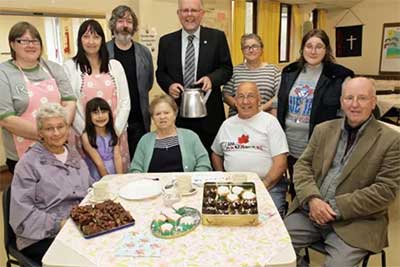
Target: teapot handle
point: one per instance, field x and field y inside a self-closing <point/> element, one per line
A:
<point x="206" y="96"/>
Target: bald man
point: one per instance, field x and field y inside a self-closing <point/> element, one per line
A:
<point x="253" y="141"/>
<point x="345" y="180"/>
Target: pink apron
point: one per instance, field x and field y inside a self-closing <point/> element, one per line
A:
<point x="39" y="93"/>
<point x="102" y="85"/>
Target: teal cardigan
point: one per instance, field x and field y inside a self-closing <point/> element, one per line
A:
<point x="194" y="155"/>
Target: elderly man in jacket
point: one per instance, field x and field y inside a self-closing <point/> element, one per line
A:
<point x="345" y="180"/>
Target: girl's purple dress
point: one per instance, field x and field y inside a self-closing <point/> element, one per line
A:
<point x="106" y="152"/>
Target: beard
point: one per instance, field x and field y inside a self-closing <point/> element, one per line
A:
<point x="123" y="38"/>
<point x="124" y="35"/>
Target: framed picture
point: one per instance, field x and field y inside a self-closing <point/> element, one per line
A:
<point x="390" y="49"/>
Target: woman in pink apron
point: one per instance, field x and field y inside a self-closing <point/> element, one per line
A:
<point x="26" y="82"/>
<point x="92" y="74"/>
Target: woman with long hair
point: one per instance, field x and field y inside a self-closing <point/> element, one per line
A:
<point x="92" y="74"/>
<point x="310" y="92"/>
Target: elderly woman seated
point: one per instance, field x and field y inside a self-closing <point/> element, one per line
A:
<point x="169" y="149"/>
<point x="49" y="179"/>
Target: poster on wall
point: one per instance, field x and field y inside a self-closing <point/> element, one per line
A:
<point x="349" y="41"/>
<point x="390" y="49"/>
<point x="148" y="37"/>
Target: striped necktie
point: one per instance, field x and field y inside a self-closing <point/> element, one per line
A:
<point x="189" y="74"/>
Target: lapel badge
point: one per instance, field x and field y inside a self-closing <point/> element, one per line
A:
<point x="205" y="42"/>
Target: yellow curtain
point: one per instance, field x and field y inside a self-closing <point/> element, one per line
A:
<point x="268" y="20"/>
<point x="239" y="17"/>
<point x="321" y="24"/>
<point x="296" y="33"/>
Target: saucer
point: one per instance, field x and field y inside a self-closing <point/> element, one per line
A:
<point x="191" y="192"/>
<point x="91" y="199"/>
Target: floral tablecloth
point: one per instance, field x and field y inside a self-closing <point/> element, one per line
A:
<point x="205" y="246"/>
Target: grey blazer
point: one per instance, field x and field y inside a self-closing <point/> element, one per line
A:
<point x="145" y="76"/>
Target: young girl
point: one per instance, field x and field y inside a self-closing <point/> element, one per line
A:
<point x="100" y="140"/>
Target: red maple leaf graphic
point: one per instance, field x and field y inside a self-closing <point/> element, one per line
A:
<point x="243" y="139"/>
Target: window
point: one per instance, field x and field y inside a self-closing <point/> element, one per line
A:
<point x="284" y="33"/>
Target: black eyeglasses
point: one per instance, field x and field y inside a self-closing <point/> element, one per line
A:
<point x="27" y="42"/>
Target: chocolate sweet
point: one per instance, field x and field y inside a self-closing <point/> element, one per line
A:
<point x="100" y="217"/>
<point x="229" y="199"/>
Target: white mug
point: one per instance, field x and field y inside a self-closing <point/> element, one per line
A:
<point x="184" y="183"/>
<point x="100" y="191"/>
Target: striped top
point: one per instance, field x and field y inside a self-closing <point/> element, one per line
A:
<point x="267" y="78"/>
<point x="167" y="142"/>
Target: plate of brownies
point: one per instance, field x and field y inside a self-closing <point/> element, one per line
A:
<point x="101" y="218"/>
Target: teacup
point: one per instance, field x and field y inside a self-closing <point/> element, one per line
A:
<point x="184" y="184"/>
<point x="100" y="191"/>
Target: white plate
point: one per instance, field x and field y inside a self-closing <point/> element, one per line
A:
<point x="140" y="189"/>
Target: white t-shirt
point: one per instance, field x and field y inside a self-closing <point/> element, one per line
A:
<point x="250" y="144"/>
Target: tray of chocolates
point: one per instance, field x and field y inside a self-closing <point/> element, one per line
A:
<point x="175" y="221"/>
<point x="101" y="218"/>
<point x="227" y="203"/>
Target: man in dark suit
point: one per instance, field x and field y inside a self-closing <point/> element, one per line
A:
<point x="212" y="67"/>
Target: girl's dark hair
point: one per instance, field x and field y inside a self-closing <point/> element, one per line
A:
<point x="80" y="58"/>
<point x="321" y="34"/>
<point x="93" y="105"/>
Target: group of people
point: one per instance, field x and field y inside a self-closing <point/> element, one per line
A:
<point x="67" y="127"/>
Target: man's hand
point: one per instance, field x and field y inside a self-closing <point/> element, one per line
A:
<point x="207" y="84"/>
<point x="320" y="211"/>
<point x="269" y="183"/>
<point x="175" y="90"/>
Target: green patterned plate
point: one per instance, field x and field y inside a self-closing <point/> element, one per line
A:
<point x="178" y="229"/>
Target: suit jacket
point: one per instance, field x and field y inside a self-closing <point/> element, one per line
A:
<point x="214" y="61"/>
<point x="368" y="183"/>
<point x="144" y="74"/>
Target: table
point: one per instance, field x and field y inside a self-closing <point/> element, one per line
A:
<point x="394" y="127"/>
<point x="386" y="102"/>
<point x="265" y="244"/>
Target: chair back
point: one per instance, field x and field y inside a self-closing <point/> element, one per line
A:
<point x="9" y="236"/>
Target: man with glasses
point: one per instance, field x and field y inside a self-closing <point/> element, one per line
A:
<point x="253" y="141"/>
<point x="195" y="56"/>
<point x="345" y="181"/>
<point x="138" y="65"/>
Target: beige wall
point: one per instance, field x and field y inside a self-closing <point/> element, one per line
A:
<point x="373" y="14"/>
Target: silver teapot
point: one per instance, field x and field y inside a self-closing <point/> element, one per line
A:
<point x="193" y="104"/>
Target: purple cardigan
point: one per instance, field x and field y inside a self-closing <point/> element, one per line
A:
<point x="43" y="190"/>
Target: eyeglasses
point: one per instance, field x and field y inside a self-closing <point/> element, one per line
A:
<point x="186" y="11"/>
<point x="318" y="48"/>
<point x="26" y="41"/>
<point x="250" y="97"/>
<point x="251" y="47"/>
<point x="58" y="128"/>
<point x="361" y="99"/>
